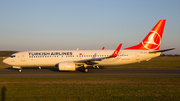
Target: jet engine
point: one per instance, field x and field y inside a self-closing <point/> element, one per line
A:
<point x="66" y="66"/>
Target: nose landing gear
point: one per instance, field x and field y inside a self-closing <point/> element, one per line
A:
<point x="20" y="70"/>
<point x="18" y="67"/>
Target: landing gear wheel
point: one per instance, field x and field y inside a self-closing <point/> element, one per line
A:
<point x="86" y="70"/>
<point x="20" y="70"/>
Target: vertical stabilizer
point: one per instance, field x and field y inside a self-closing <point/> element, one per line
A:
<point x="153" y="40"/>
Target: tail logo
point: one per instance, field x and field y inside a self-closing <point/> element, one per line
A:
<point x="152" y="41"/>
<point x="116" y="52"/>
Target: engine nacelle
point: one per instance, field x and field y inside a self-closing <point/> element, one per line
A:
<point x="67" y="66"/>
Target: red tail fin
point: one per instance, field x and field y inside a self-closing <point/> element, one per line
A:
<point x="153" y="40"/>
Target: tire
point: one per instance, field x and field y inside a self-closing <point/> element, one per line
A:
<point x="86" y="70"/>
<point x="20" y="70"/>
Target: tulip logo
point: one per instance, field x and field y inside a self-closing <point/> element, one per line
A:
<point x="152" y="41"/>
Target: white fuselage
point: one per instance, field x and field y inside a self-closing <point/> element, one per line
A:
<point x="51" y="58"/>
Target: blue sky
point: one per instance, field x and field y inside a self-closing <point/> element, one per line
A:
<point x="85" y="24"/>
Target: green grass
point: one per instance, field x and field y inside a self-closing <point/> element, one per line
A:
<point x="91" y="89"/>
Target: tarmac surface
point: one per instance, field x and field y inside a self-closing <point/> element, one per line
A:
<point x="13" y="73"/>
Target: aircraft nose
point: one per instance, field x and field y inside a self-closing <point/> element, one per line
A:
<point x="5" y="61"/>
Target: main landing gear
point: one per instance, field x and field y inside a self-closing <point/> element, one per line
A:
<point x="86" y="70"/>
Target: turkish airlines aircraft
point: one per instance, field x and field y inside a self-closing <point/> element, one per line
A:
<point x="69" y="60"/>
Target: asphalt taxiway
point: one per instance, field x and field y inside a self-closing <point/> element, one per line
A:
<point x="12" y="73"/>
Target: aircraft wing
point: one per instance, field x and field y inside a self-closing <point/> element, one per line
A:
<point x="92" y="60"/>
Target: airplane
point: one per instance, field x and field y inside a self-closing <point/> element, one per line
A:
<point x="70" y="60"/>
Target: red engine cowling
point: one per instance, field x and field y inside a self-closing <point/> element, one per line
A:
<point x="67" y="66"/>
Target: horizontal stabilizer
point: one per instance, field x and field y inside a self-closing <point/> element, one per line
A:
<point x="162" y="50"/>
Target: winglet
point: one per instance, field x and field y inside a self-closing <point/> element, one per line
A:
<point x="103" y="48"/>
<point x="116" y="52"/>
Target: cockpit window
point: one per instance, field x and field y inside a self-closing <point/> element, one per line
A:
<point x="12" y="56"/>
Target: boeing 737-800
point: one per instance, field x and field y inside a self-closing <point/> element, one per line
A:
<point x="70" y="60"/>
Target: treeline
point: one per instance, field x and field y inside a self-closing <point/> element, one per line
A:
<point x="6" y="53"/>
<point x="170" y="55"/>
